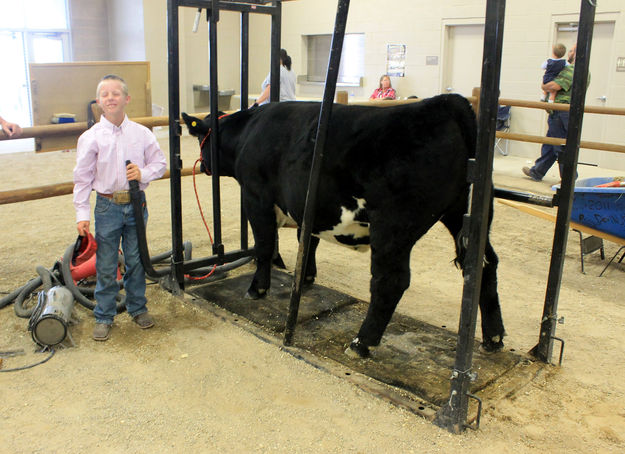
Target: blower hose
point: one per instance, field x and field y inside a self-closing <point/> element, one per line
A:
<point x="137" y="209"/>
<point x="45" y="278"/>
<point x="77" y="292"/>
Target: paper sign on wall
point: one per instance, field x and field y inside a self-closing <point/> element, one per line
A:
<point x="396" y="60"/>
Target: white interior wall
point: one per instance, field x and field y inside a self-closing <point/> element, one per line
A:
<point x="528" y="34"/>
<point x="126" y="30"/>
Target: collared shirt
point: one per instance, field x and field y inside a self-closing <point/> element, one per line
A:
<point x="380" y="93"/>
<point x="101" y="157"/>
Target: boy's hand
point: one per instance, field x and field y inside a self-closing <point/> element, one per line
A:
<point x="133" y="172"/>
<point x="83" y="228"/>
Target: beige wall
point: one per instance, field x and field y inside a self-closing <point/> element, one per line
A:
<point x="126" y="30"/>
<point x="530" y="28"/>
<point x="89" y="29"/>
<point x="194" y="51"/>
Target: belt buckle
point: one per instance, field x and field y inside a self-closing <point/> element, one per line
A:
<point x="121" y="197"/>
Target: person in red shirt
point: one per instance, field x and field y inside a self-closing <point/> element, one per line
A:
<point x="385" y="90"/>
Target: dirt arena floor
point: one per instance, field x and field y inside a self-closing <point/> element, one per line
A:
<point x="198" y="383"/>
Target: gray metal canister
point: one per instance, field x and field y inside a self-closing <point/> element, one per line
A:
<point x="49" y="322"/>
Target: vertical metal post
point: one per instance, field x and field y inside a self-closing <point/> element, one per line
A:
<point x="175" y="163"/>
<point x="544" y="349"/>
<point x="218" y="247"/>
<point x="245" y="67"/>
<point x="276" y="30"/>
<point x="315" y="171"/>
<point x="453" y="415"/>
<point x="245" y="58"/>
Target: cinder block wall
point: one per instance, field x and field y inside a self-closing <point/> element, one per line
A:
<point x="529" y="33"/>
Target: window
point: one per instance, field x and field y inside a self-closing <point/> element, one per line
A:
<point x="352" y="66"/>
<point x="31" y="31"/>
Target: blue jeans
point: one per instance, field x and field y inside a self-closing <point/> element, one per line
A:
<point x="558" y="126"/>
<point x="113" y="223"/>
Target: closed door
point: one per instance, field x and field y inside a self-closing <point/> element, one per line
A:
<point x="463" y="58"/>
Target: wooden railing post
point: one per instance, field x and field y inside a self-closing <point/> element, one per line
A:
<point x="475" y="94"/>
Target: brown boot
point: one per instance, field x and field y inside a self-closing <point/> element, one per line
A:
<point x="101" y="331"/>
<point x="144" y="320"/>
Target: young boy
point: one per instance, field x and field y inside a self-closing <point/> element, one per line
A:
<point x="552" y="67"/>
<point x="101" y="166"/>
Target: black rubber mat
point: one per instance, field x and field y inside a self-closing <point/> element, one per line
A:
<point x="413" y="356"/>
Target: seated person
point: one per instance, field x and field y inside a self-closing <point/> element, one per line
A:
<point x="384" y="91"/>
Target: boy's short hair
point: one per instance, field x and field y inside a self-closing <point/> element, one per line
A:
<point x="559" y="50"/>
<point x="112" y="77"/>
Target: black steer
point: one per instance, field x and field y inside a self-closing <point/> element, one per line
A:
<point x="388" y="175"/>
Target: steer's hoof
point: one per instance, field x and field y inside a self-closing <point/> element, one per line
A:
<point x="255" y="294"/>
<point x="308" y="281"/>
<point x="278" y="262"/>
<point x="357" y="349"/>
<point x="492" y="345"/>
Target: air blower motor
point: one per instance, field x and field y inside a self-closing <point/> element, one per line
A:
<point x="49" y="322"/>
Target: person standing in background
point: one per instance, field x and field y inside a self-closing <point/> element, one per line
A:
<point x="287" y="82"/>
<point x="558" y="121"/>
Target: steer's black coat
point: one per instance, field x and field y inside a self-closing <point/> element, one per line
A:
<point x="388" y="175"/>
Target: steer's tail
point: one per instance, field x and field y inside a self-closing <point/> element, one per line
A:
<point x="460" y="108"/>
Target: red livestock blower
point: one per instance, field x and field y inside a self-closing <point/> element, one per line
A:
<point x="82" y="264"/>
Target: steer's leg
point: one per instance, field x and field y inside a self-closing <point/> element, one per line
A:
<point x="390" y="277"/>
<point x="264" y="228"/>
<point x="311" y="265"/>
<point x="492" y="323"/>
<point x="490" y="310"/>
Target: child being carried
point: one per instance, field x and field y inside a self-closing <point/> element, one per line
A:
<point x="552" y="67"/>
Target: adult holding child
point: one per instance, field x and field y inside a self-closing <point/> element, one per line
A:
<point x="558" y="120"/>
<point x="102" y="153"/>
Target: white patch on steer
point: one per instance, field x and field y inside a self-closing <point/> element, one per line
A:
<point x="349" y="226"/>
<point x="283" y="220"/>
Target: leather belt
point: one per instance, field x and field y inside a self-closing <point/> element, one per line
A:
<point x="118" y="197"/>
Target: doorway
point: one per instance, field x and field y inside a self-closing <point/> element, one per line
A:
<point x="464" y="45"/>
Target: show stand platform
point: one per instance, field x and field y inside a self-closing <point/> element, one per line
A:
<point x="412" y="366"/>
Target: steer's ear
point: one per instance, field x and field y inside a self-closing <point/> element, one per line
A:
<point x="196" y="126"/>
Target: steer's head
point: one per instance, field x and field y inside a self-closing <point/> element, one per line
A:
<point x="202" y="130"/>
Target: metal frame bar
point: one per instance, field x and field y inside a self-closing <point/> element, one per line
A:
<point x="276" y="31"/>
<point x="315" y="172"/>
<point x="246" y="6"/>
<point x="245" y="69"/>
<point x="544" y="349"/>
<point x="213" y="7"/>
<point x="453" y="415"/>
<point x="175" y="163"/>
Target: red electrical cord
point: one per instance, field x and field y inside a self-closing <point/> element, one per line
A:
<point x="197" y="197"/>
